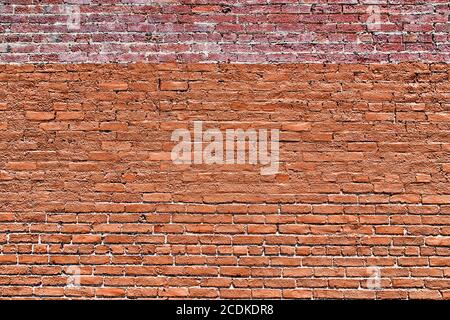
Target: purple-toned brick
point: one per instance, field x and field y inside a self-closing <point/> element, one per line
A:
<point x="236" y="31"/>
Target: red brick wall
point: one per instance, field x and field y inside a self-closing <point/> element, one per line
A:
<point x="256" y="31"/>
<point x="86" y="181"/>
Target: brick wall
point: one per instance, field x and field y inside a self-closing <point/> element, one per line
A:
<point x="86" y="181"/>
<point x="256" y="31"/>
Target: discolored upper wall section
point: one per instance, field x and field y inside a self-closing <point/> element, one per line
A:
<point x="252" y="31"/>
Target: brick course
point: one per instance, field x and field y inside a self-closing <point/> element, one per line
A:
<point x="86" y="180"/>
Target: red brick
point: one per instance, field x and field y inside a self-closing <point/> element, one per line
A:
<point x="174" y="85"/>
<point x="39" y="115"/>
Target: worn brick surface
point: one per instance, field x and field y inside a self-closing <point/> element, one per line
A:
<point x="86" y="181"/>
<point x="256" y="31"/>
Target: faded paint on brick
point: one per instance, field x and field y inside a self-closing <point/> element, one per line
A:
<point x="218" y="31"/>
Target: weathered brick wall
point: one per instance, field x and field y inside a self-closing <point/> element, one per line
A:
<point x="86" y="180"/>
<point x="255" y="31"/>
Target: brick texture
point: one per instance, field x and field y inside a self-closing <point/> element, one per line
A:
<point x="86" y="179"/>
<point x="257" y="31"/>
